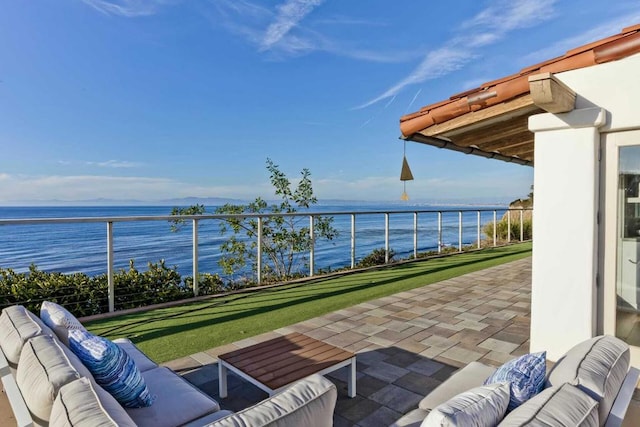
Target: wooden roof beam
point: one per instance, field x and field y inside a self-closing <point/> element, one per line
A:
<point x="504" y="143"/>
<point x="550" y="94"/>
<point x="492" y="133"/>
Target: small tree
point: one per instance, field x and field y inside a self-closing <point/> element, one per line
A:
<point x="285" y="239"/>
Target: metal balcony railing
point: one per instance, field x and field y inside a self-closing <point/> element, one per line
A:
<point x="197" y="219"/>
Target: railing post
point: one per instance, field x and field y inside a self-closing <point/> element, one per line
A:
<point x="459" y="231"/>
<point x="521" y="226"/>
<point x="509" y="226"/>
<point x="110" y="284"/>
<point x="313" y="243"/>
<point x="195" y="257"/>
<point x="479" y="244"/>
<point x="353" y="241"/>
<point x="415" y="235"/>
<point x="439" y="232"/>
<point x="386" y="238"/>
<point x="495" y="228"/>
<point x="259" y="252"/>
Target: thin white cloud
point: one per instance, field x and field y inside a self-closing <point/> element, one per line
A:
<point x="126" y="8"/>
<point x="290" y="13"/>
<point x="118" y="164"/>
<point x="605" y="29"/>
<point x="436" y="64"/>
<point x="487" y="27"/>
<point x="280" y="32"/>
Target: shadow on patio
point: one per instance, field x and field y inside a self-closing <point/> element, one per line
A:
<point x="406" y="344"/>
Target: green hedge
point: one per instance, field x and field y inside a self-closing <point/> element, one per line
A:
<point x="502" y="228"/>
<point x="85" y="295"/>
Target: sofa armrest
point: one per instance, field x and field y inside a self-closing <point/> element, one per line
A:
<point x="4" y="365"/>
<point x="309" y="402"/>
<point x="18" y="406"/>
<point x="620" y="405"/>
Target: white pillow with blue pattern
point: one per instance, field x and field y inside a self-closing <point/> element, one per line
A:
<point x="112" y="368"/>
<point x="525" y="375"/>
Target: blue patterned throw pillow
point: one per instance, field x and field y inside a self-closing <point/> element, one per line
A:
<point x="525" y="376"/>
<point x="112" y="368"/>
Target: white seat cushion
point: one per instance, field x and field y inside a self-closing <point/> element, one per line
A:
<point x="176" y="402"/>
<point x="17" y="326"/>
<point x="309" y="403"/>
<point x="598" y="367"/>
<point x="481" y="406"/>
<point x="139" y="358"/>
<point x="83" y="403"/>
<point x="555" y="406"/>
<point x="45" y="366"/>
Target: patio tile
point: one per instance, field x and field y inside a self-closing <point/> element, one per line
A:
<point x="460" y="354"/>
<point x="386" y="372"/>
<point x="426" y="367"/>
<point x="417" y="383"/>
<point x="344" y="339"/>
<point x="422" y="322"/>
<point x="355" y="409"/>
<point x="471" y="324"/>
<point x="497" y="358"/>
<point x="204" y="358"/>
<point x="356" y="347"/>
<point x="382" y="342"/>
<point x="396" y="325"/>
<point x="320" y="333"/>
<point x="498" y="345"/>
<point x="444" y="373"/>
<point x="438" y="341"/>
<point x="367" y="385"/>
<point x="369" y="329"/>
<point x="432" y="352"/>
<point x="383" y="416"/>
<point x="371" y="357"/>
<point x="374" y="320"/>
<point x="403" y="359"/>
<point x="397" y="398"/>
<point x="509" y="337"/>
<point x="183" y="364"/>
<point x="470" y="316"/>
<point x="410" y="344"/>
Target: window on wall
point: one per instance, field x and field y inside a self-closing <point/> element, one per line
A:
<point x="628" y="262"/>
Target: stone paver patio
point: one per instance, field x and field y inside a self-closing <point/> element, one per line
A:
<point x="407" y="344"/>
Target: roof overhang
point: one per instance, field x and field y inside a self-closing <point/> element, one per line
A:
<point x="498" y="132"/>
<point x="493" y="120"/>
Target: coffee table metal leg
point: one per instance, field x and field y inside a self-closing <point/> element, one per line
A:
<point x="222" y="379"/>
<point x="352" y="378"/>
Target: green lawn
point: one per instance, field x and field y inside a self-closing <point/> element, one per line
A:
<point x="170" y="333"/>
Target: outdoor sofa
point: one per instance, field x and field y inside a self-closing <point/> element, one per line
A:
<point x="591" y="385"/>
<point x="48" y="385"/>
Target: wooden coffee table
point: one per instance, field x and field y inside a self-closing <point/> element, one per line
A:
<point x="276" y="363"/>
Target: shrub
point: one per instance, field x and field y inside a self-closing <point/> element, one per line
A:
<point x="502" y="229"/>
<point x="86" y="295"/>
<point x="376" y="257"/>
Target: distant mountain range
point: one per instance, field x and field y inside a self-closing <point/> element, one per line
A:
<point x="217" y="201"/>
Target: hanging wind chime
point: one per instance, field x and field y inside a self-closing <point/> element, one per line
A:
<point x="405" y="174"/>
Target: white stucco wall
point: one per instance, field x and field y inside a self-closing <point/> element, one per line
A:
<point x="566" y="183"/>
<point x="565" y="236"/>
<point x="614" y="86"/>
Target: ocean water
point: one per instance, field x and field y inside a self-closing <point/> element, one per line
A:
<point x="82" y="247"/>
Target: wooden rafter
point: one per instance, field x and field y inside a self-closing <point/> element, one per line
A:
<point x="550" y="94"/>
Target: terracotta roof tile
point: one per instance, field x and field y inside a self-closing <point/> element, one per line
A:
<point x="509" y="87"/>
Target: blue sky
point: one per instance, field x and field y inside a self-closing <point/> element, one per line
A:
<point x="157" y="99"/>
